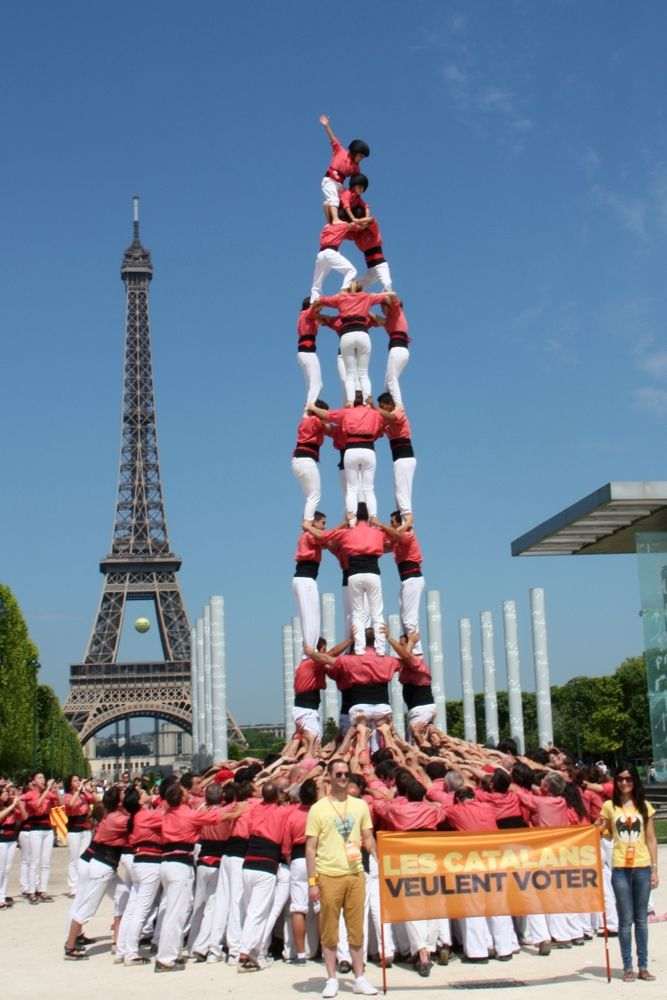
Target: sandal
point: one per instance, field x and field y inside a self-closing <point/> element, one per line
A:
<point x="647" y="976"/>
<point x="75" y="954"/>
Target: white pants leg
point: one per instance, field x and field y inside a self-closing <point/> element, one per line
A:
<point x="307" y="719"/>
<point x="537" y="929"/>
<point x="397" y="359"/>
<point x="298" y="886"/>
<point x="123" y="884"/>
<point x="24" y="846"/>
<point x="77" y="842"/>
<point x="312" y="373"/>
<point x="307" y="471"/>
<point x="355" y="348"/>
<point x="214" y="922"/>
<point x="176" y="879"/>
<point x="372" y="912"/>
<point x="379" y="273"/>
<point x="326" y="261"/>
<point x="143" y="892"/>
<point x="234" y="870"/>
<point x="41" y="846"/>
<point x="476" y="937"/>
<point x="340" y="368"/>
<point x="368" y="585"/>
<point x="100" y="879"/>
<point x="359" y="465"/>
<point x="343" y="948"/>
<point x="421" y="934"/>
<point x="559" y="926"/>
<point x="443" y="932"/>
<point x="501" y="929"/>
<point x="280" y="897"/>
<point x="331" y="190"/>
<point x="404" y="473"/>
<point x="7" y="851"/>
<point x="206" y="882"/>
<point x="609" y="897"/>
<point x="258" y="891"/>
<point x="409" y="602"/>
<point x="307" y="598"/>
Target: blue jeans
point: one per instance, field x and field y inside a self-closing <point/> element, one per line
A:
<point x="632" y="887"/>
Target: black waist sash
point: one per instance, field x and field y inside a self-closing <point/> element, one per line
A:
<point x="363" y="564"/>
<point x="367" y="694"/>
<point x="408" y="569"/>
<point x="401" y="448"/>
<point x="298" y="851"/>
<point x="417" y="694"/>
<point x="307" y="567"/>
<point x="307" y="699"/>
<point x="262" y="855"/>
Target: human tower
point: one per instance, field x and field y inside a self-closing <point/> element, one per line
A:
<point x="361" y="539"/>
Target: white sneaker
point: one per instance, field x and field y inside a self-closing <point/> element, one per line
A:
<point x="330" y="989"/>
<point x="361" y="985"/>
<point x="211" y="958"/>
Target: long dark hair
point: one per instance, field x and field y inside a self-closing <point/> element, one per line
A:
<point x="638" y="795"/>
<point x="573" y="797"/>
<point x="111" y="799"/>
<point x="132" y="805"/>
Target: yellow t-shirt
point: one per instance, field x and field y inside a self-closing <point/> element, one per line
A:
<point x="628" y="834"/>
<point x="334" y="824"/>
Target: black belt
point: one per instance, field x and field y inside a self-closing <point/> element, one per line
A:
<point x="308" y="568"/>
<point x="360" y="443"/>
<point x="307" y="346"/>
<point x="367" y="694"/>
<point x="178" y="850"/>
<point x="363" y="564"/>
<point x="307" y="699"/>
<point x="298" y="851"/>
<point x="398" y="339"/>
<point x="511" y="823"/>
<point x="237" y="847"/>
<point x="105" y="853"/>
<point x="307" y="451"/>
<point x="8" y="836"/>
<point x="262" y="855"/>
<point x="401" y="448"/>
<point x="212" y="848"/>
<point x="78" y="824"/>
<point x="346" y="577"/>
<point x="374" y="256"/>
<point x="417" y="694"/>
<point x="407" y="570"/>
<point x="354" y="323"/>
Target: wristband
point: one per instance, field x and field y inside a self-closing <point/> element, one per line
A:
<point x="313" y="880"/>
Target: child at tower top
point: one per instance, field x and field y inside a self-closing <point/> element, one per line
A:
<point x="344" y="163"/>
<point x="352" y="205"/>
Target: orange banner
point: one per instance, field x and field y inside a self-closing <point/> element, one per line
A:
<point x="515" y="872"/>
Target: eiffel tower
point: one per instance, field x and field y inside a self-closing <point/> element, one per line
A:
<point x="140" y="565"/>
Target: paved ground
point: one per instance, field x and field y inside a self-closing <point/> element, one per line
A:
<point x="31" y="939"/>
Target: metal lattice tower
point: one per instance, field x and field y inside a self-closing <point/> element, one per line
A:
<point x="140" y="565"/>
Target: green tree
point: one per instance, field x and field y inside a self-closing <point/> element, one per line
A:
<point x="18" y="673"/>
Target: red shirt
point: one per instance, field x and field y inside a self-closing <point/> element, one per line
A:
<point x="295" y="829"/>
<point x="438" y="793"/>
<point x="147" y="831"/>
<point x="544" y="810"/>
<point x="354" y="305"/>
<point x="221" y="829"/>
<point x="395" y="320"/>
<point x="306" y="329"/>
<point x="367" y="237"/>
<point x="350" y="669"/>
<point x="401" y="814"/>
<point x="82" y="805"/>
<point x="112" y="829"/>
<point x="349" y="200"/>
<point x="504" y="804"/>
<point x="268" y="820"/>
<point x="308" y="549"/>
<point x="471" y="816"/>
<point x="310" y="435"/>
<point x="334" y="233"/>
<point x="407" y="548"/>
<point x="309" y="676"/>
<point x="342" y="165"/>
<point x="358" y="424"/>
<point x="183" y="824"/>
<point x="242" y="824"/>
<point x="333" y="542"/>
<point x="363" y="539"/>
<point x="399" y="428"/>
<point x="416" y="673"/>
<point x="334" y="323"/>
<point x="593" y="802"/>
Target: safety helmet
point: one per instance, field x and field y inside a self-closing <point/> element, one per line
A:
<point x="359" y="146"/>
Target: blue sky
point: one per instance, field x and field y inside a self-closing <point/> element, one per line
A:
<point x="519" y="172"/>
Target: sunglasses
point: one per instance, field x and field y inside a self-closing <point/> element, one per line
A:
<point x="341" y="774"/>
<point x="625" y="781"/>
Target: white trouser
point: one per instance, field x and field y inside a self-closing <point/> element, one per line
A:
<point x="475" y="937"/>
<point x="326" y="261"/>
<point x="77" y="842"/>
<point x="421" y="934"/>
<point x="347" y="610"/>
<point x="41" y="846"/>
<point x="397" y="359"/>
<point x="123" y="884"/>
<point x="100" y="879"/>
<point x="234" y="872"/>
<point x="404" y="473"/>
<point x="24" y="846"/>
<point x="609" y="897"/>
<point x="143" y="892"/>
<point x="331" y="190"/>
<point x="7" y="851"/>
<point x="206" y="883"/>
<point x="501" y="929"/>
<point x="176" y="879"/>
<point x="359" y="465"/>
<point x="258" y="891"/>
<point x="409" y="601"/>
<point x="366" y="586"/>
<point x="355" y="347"/>
<point x="307" y="719"/>
<point x="307" y="471"/>
<point x="307" y="598"/>
<point x="214" y="921"/>
<point x="312" y="373"/>
<point x="340" y="368"/>
<point x="379" y="273"/>
<point x="298" y="886"/>
<point x="280" y="897"/>
<point x="372" y="913"/>
<point x="422" y="715"/>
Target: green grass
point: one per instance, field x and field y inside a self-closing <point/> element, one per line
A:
<point x="661" y="830"/>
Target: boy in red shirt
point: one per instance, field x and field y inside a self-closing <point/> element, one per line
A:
<point x="306" y="330"/>
<point x="397" y="429"/>
<point x="396" y="325"/>
<point x="306" y="459"/>
<point x="408" y="555"/>
<point x="329" y="258"/>
<point x="344" y="163"/>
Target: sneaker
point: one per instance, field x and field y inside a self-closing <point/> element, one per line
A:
<point x="361" y="985"/>
<point x="330" y="989"/>
<point x="210" y="959"/>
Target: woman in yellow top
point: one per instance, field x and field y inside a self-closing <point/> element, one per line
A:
<point x="627" y="819"/>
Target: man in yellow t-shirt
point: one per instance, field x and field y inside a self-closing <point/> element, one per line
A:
<point x="337" y="828"/>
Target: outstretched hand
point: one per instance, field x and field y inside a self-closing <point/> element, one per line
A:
<point x="324" y="120"/>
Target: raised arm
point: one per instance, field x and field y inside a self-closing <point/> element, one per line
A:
<point x="325" y="658"/>
<point x="387" y="528"/>
<point x="326" y="125"/>
<point x="318" y="412"/>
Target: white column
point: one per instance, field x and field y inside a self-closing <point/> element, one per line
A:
<point x="208" y="682"/>
<point x="513" y="664"/>
<point x="489" y="670"/>
<point x="538" y="625"/>
<point x="395" y="688"/>
<point x="330" y="708"/>
<point x="436" y="657"/>
<point x="467" y="687"/>
<point x="203" y="747"/>
<point x="217" y="606"/>
<point x="193" y="690"/>
<point x="288" y="679"/>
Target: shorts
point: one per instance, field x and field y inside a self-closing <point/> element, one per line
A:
<point x="346" y="893"/>
<point x="298" y="886"/>
<point x="308" y="719"/>
<point x="422" y="714"/>
<point x="331" y="190"/>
